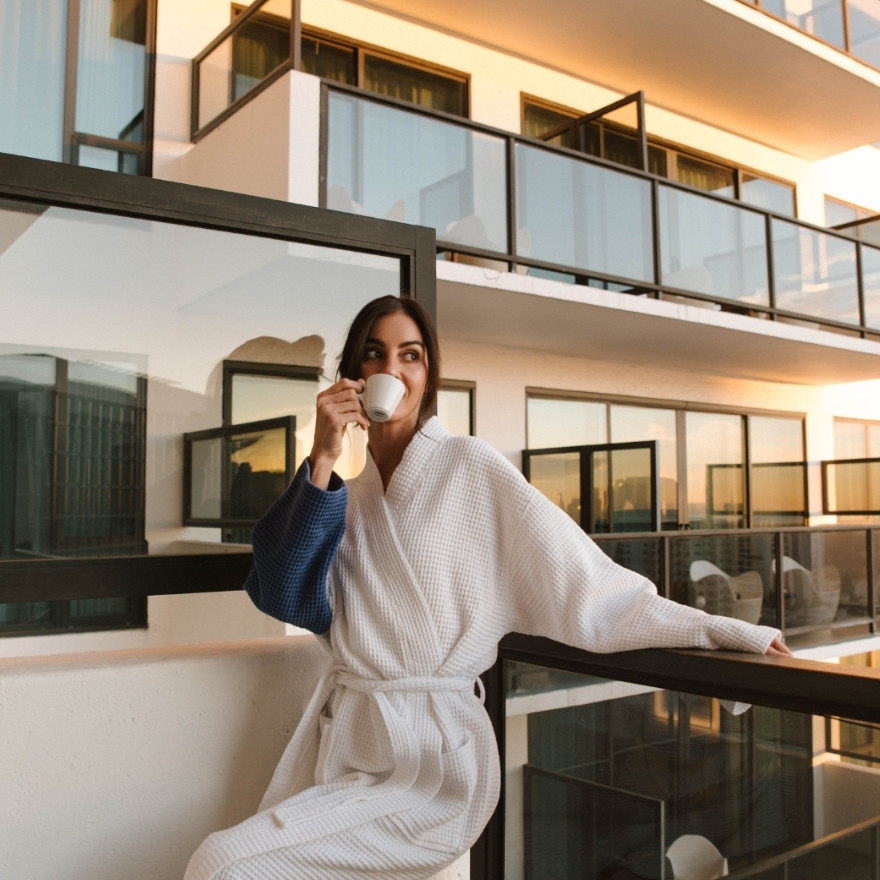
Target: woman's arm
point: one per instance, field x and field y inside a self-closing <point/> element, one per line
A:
<point x="294" y="544"/>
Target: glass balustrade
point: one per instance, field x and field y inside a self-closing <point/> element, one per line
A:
<point x="815" y="273"/>
<point x="409" y="166"/>
<point x="582" y="215"/>
<point x="710" y="247"/>
<point x="611" y="779"/>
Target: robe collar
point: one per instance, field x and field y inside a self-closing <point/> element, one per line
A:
<point x="409" y="473"/>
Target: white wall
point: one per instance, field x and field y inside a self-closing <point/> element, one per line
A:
<point x="115" y="766"/>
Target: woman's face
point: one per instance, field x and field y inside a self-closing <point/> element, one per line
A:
<point x="395" y="346"/>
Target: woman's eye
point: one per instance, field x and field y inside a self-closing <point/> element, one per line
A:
<point x="411" y="356"/>
<point x="371" y="354"/>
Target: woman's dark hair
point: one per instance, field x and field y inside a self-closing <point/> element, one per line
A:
<point x="352" y="356"/>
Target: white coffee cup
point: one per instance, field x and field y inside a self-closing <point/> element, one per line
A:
<point x="382" y="392"/>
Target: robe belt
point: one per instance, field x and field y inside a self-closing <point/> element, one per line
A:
<point x="338" y="673"/>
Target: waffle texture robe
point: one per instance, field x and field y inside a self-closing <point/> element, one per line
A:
<point x="393" y="771"/>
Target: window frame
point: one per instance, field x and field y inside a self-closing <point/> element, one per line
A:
<point x="28" y="180"/>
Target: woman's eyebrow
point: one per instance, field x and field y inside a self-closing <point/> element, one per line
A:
<point x="371" y="340"/>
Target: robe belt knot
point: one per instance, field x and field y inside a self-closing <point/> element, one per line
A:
<point x="425" y="684"/>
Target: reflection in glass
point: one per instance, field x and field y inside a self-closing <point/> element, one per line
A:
<point x="824" y="577"/>
<point x="818" y="18"/>
<point x="182" y="300"/>
<point x="634" y="423"/>
<point x="711" y="247"/>
<point x="768" y="195"/>
<point x="111" y="72"/>
<point x="863" y="20"/>
<point x="553" y="422"/>
<point x="558" y="477"/>
<point x="778" y="489"/>
<point x="727" y="575"/>
<point x="32" y="79"/>
<point x="402" y="165"/>
<point x="577" y="214"/>
<point x="715" y="470"/>
<point x="604" y="775"/>
<point x="815" y="273"/>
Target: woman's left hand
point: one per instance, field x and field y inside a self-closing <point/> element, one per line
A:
<point x="778" y="648"/>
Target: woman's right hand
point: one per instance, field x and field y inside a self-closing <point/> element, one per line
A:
<point x="337" y="407"/>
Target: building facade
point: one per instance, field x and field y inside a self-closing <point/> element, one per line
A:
<point x="645" y="231"/>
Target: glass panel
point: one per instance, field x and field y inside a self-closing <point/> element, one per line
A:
<point x="815" y="273"/>
<point x="175" y="302"/>
<point x="267" y="397"/>
<point x="328" y="60"/>
<point x="631" y="491"/>
<point x="715" y="470"/>
<point x="714" y="248"/>
<point x="704" y="175"/>
<point x="643" y="555"/>
<point x="259" y="46"/>
<point x="871" y="285"/>
<point x="768" y="195"/>
<point x="33" y="39"/>
<point x="538" y="119"/>
<point x="112" y="68"/>
<point x="392" y="163"/>
<point x="864" y="30"/>
<point x="558" y="476"/>
<point x="108" y="160"/>
<point x="850" y="439"/>
<point x="576" y="214"/>
<point x="600" y="513"/>
<point x="259" y="469"/>
<point x="454" y="407"/>
<point x="819" y="18"/>
<point x="776" y="449"/>
<point x="395" y="79"/>
<point x="634" y="423"/>
<point x="206" y="496"/>
<point x="728" y="575"/>
<point x="837" y="213"/>
<point x="554" y="422"/>
<point x="243" y="59"/>
<point x="603" y="778"/>
<point x="824" y="577"/>
<point x="854" y="487"/>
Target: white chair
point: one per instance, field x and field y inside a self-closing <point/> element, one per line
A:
<point x="694" y="857"/>
<point x="716" y="592"/>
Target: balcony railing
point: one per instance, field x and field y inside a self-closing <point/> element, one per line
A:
<point x="614" y="763"/>
<point x="850" y="25"/>
<point x="547" y="210"/>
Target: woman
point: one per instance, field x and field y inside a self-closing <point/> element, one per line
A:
<point x="417" y="568"/>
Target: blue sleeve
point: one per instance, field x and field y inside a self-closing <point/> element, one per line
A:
<point x="294" y="543"/>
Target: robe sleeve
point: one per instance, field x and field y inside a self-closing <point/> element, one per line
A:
<point x="294" y="543"/>
<point x="565" y="588"/>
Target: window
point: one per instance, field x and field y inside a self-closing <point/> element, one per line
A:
<point x="619" y="144"/>
<point x="701" y="457"/>
<point x="455" y="406"/>
<point x="88" y="107"/>
<point x="264" y="44"/>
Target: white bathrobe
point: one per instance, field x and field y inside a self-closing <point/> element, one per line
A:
<point x="426" y="580"/>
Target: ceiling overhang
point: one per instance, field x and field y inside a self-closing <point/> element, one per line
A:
<point x="553" y="318"/>
<point x="722" y="62"/>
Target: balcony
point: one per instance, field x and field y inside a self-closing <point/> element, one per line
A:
<point x="723" y="50"/>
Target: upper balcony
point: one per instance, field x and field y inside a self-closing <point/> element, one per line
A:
<point x="736" y="67"/>
<point x="652" y="268"/>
